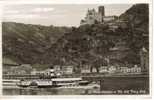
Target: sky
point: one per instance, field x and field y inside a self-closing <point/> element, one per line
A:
<point x="57" y="15"/>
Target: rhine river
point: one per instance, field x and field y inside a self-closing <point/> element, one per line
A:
<point x="110" y="85"/>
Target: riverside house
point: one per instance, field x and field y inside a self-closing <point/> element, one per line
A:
<point x="85" y="69"/>
<point x="133" y="70"/>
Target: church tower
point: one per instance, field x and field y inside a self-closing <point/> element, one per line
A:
<point x="101" y="10"/>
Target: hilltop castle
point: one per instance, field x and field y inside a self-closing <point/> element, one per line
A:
<point x="93" y="17"/>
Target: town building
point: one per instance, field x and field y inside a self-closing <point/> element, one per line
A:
<point x="112" y="69"/>
<point x="85" y="69"/>
<point x="36" y="72"/>
<point x="136" y="69"/>
<point x="103" y="69"/>
<point x="10" y="67"/>
<point x="19" y="70"/>
<point x="93" y="70"/>
<point x="132" y="70"/>
<point x="67" y="69"/>
<point x="124" y="69"/>
<point x="57" y="69"/>
<point x="144" y="60"/>
<point x="7" y="65"/>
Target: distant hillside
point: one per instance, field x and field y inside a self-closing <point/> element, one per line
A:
<point x="87" y="44"/>
<point x="26" y="43"/>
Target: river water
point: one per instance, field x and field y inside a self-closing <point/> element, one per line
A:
<point x="43" y="91"/>
<point x="120" y="86"/>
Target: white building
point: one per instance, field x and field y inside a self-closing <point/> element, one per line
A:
<point x="67" y="69"/>
<point x="112" y="69"/>
<point x="103" y="69"/>
<point x="136" y="69"/>
<point x="133" y="70"/>
<point x="57" y="68"/>
<point x="94" y="70"/>
<point x="124" y="69"/>
<point x="85" y="69"/>
<point x="35" y="72"/>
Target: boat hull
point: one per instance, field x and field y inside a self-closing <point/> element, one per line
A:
<point x="39" y="86"/>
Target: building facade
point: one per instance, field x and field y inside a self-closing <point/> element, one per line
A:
<point x="133" y="70"/>
<point x="85" y="69"/>
<point x="67" y="69"/>
<point x="103" y="69"/>
<point x="144" y="60"/>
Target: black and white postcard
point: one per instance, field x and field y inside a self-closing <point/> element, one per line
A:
<point x="76" y="49"/>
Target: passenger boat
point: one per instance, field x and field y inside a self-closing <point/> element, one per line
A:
<point x="57" y="83"/>
<point x="54" y="82"/>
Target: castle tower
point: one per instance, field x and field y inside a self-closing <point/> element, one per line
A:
<point x="101" y="10"/>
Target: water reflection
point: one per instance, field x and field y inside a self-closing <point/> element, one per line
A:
<point x="43" y="91"/>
